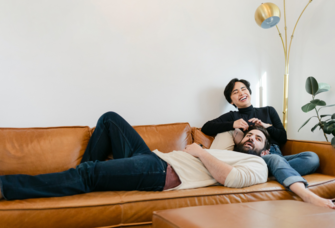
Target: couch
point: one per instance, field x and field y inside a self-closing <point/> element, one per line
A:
<point x="45" y="150"/>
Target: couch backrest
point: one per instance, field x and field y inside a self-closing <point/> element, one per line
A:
<point x="166" y="137"/>
<point x="41" y="150"/>
<point x="45" y="150"/>
<point x="324" y="150"/>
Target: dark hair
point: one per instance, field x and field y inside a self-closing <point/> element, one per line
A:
<point x="267" y="143"/>
<point x="229" y="88"/>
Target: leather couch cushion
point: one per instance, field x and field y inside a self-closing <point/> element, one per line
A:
<point x="123" y="208"/>
<point x="166" y="137"/>
<point x="41" y="150"/>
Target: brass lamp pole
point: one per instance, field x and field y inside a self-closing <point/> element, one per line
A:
<point x="267" y="15"/>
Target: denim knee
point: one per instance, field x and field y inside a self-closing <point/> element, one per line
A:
<point x="280" y="168"/>
<point x="109" y="116"/>
<point x="311" y="160"/>
<point x="86" y="172"/>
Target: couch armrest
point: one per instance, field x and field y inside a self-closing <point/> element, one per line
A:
<point x="201" y="138"/>
<point x="324" y="150"/>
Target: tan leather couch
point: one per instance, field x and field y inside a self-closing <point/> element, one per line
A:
<point x="45" y="150"/>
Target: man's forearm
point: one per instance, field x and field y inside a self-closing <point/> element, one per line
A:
<point x="218" y="169"/>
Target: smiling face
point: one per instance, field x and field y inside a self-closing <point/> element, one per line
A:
<point x="240" y="96"/>
<point x="253" y="143"/>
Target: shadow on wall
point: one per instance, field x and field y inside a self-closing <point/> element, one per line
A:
<point x="212" y="104"/>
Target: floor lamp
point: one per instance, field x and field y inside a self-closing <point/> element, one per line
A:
<point x="267" y="16"/>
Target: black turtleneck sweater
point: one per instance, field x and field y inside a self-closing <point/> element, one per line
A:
<point x="266" y="115"/>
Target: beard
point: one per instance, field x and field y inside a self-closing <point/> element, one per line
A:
<point x="241" y="148"/>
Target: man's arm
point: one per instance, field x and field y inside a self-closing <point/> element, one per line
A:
<point x="218" y="169"/>
<point x="250" y="170"/>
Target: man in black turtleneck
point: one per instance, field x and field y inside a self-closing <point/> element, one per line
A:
<point x="286" y="169"/>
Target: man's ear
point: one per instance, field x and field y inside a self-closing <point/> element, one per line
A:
<point x="265" y="152"/>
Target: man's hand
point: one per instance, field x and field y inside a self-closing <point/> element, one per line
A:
<point x="194" y="150"/>
<point x="258" y="122"/>
<point x="241" y="124"/>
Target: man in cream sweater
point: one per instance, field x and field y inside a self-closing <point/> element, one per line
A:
<point x="135" y="167"/>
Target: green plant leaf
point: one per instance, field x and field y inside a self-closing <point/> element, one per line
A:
<point x="323" y="87"/>
<point x="333" y="116"/>
<point x="325" y="115"/>
<point x="330" y="122"/>
<point x="333" y="132"/>
<point x="318" y="102"/>
<point x="308" y="107"/>
<point x="327" y="121"/>
<point x="306" y="122"/>
<point x="327" y="106"/>
<point x="322" y="124"/>
<point x="311" y="85"/>
<point x="329" y="128"/>
<point x="325" y="129"/>
<point x="333" y="142"/>
<point x="316" y="125"/>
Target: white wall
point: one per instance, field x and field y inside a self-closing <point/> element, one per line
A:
<point x="312" y="54"/>
<point x="66" y="62"/>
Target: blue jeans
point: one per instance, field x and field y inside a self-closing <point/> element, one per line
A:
<point x="134" y="167"/>
<point x="289" y="169"/>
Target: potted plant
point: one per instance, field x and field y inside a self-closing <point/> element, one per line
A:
<point x="327" y="125"/>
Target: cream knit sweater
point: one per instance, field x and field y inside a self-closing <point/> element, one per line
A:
<point x="247" y="169"/>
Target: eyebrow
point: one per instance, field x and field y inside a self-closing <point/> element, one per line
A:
<point x="237" y="89"/>
<point x="249" y="133"/>
<point x="260" y="136"/>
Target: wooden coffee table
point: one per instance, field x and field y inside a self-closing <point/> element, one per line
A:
<point x="273" y="214"/>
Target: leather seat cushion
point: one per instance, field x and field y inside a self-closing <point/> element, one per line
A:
<point x="135" y="207"/>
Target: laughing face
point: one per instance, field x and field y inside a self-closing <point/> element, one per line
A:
<point x="240" y="96"/>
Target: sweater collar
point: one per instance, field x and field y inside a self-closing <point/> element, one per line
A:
<point x="246" y="110"/>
